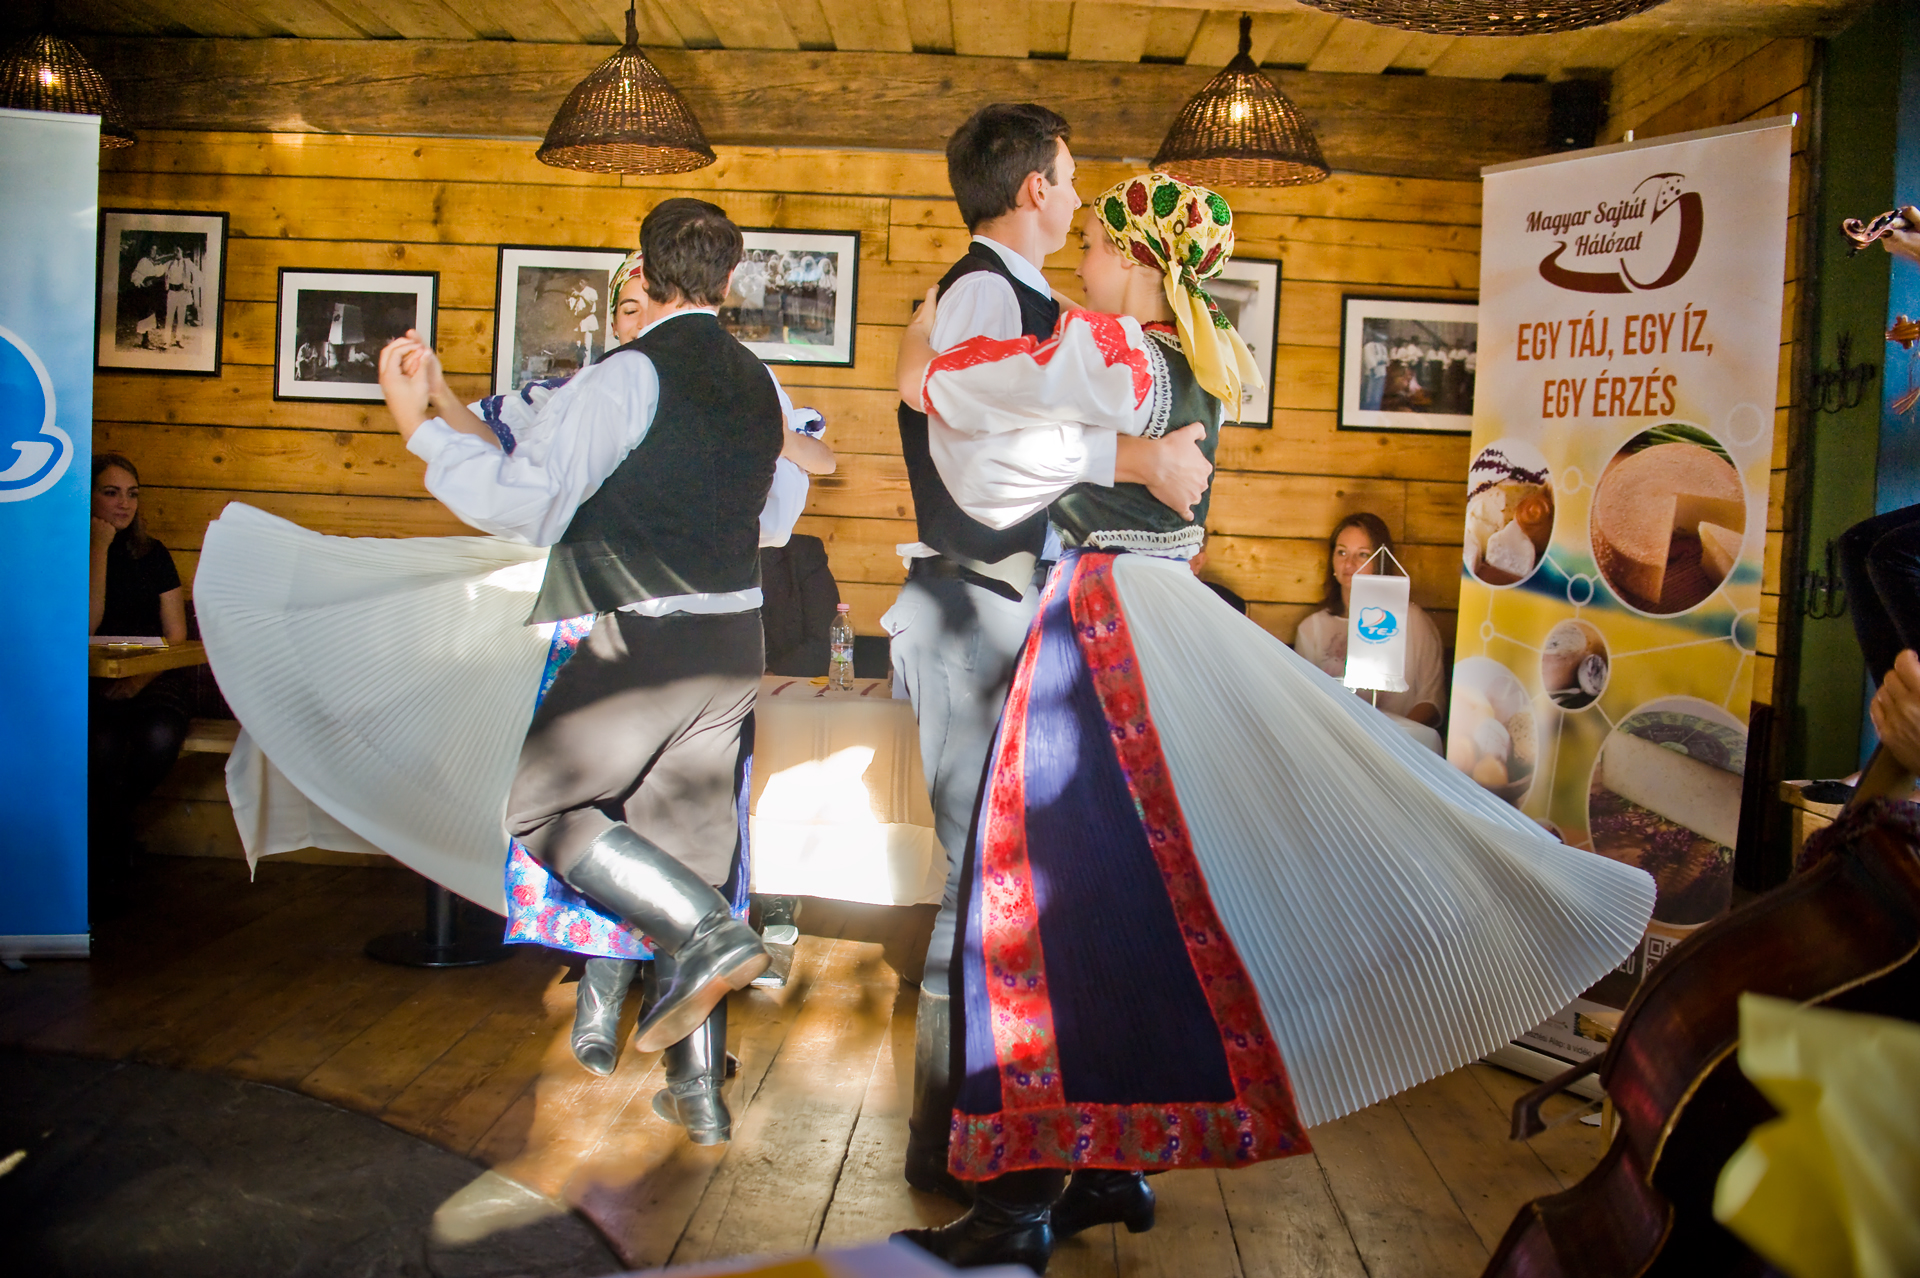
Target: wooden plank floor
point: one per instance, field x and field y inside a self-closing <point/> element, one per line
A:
<point x="266" y="980"/>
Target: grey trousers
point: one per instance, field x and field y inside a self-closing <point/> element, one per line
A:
<point x="642" y="725"/>
<point x="954" y="646"/>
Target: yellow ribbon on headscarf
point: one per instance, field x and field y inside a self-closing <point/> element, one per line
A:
<point x="1186" y="233"/>
<point x="626" y="271"/>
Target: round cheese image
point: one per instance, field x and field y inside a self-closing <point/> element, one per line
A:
<point x="1669" y="519"/>
<point x="1665" y="796"/>
<point x="1574" y="664"/>
<point x="1509" y="512"/>
<point x="1491" y="734"/>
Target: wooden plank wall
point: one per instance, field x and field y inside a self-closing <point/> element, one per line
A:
<point x="1697" y="84"/>
<point x="322" y="201"/>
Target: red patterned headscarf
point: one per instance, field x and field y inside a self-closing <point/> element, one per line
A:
<point x="1186" y="233"/>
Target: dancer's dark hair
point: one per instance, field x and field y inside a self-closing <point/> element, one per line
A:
<point x="990" y="155"/>
<point x="1376" y="530"/>
<point x="136" y="536"/>
<point x="690" y="248"/>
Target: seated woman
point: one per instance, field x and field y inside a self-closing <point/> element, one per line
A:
<point x="1322" y="637"/>
<point x="136" y="724"/>
<point x="1206" y="883"/>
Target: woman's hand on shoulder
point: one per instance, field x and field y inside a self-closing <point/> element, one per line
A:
<point x="916" y="352"/>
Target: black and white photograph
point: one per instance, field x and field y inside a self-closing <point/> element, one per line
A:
<point x="1248" y="294"/>
<point x="162" y="281"/>
<point x="1407" y="364"/>
<point x="332" y="324"/>
<point x="791" y="300"/>
<point x="553" y="313"/>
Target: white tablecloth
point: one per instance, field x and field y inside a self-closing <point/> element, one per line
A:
<point x="839" y="797"/>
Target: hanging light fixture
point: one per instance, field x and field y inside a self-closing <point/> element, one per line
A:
<point x="46" y="73"/>
<point x="625" y="118"/>
<point x="1486" y="17"/>
<point x="1241" y="131"/>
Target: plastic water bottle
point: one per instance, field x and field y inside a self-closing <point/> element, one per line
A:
<point x="840" y="643"/>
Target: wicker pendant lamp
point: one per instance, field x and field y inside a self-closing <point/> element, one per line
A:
<point x="46" y="73"/>
<point x="625" y="118"/>
<point x="1486" y="17"/>
<point x="1241" y="131"/>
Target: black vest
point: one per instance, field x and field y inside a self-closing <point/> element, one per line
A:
<point x="680" y="514"/>
<point x="943" y="525"/>
<point x="1127" y="516"/>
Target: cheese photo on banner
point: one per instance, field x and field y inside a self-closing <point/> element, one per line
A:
<point x="1629" y="347"/>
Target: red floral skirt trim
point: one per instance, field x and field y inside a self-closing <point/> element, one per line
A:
<point x="1037" y="1126"/>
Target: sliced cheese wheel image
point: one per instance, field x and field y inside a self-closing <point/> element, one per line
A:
<point x="1683" y="790"/>
<point x="1719" y="549"/>
<point x="1647" y="523"/>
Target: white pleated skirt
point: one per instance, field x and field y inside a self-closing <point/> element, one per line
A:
<point x="1397" y="920"/>
<point x="387" y="682"/>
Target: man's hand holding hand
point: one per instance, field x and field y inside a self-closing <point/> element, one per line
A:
<point x="1173" y="468"/>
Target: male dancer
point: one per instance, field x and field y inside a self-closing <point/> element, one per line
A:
<point x="972" y="591"/>
<point x="650" y="494"/>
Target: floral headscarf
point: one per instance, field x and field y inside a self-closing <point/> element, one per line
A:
<point x="626" y="271"/>
<point x="1185" y="232"/>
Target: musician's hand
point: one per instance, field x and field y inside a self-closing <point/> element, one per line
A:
<point x="1173" y="468"/>
<point x="916" y="352"/>
<point x="1905" y="241"/>
<point x="1896" y="708"/>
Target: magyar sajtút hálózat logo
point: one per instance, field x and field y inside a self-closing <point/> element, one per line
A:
<point x="1376" y="625"/>
<point x="1630" y="231"/>
<point x="41" y="450"/>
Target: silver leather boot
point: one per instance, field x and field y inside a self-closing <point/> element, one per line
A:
<point x="597" y="1000"/>
<point x="696" y="1068"/>
<point x="684" y="916"/>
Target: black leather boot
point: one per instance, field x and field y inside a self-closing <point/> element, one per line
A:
<point x="684" y="916"/>
<point x="696" y="1070"/>
<point x="1097" y="1196"/>
<point x="597" y="1001"/>
<point x="1007" y="1224"/>
<point x="930" y="1124"/>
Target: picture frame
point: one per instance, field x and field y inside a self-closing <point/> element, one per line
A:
<point x="552" y="312"/>
<point x="1247" y="291"/>
<point x="1407" y="364"/>
<point x="329" y="327"/>
<point x="791" y="300"/>
<point x="162" y="291"/>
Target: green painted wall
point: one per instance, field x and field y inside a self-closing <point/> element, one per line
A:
<point x="1859" y="108"/>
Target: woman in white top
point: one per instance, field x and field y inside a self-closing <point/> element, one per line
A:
<point x="1322" y="637"/>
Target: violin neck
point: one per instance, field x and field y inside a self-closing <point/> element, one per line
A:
<point x="1882" y="778"/>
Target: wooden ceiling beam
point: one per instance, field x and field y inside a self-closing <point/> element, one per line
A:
<point x="1401" y="125"/>
<point x="1771" y="18"/>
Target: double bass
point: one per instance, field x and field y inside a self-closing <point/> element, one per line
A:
<point x="1843" y="933"/>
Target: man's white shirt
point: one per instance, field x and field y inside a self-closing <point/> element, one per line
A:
<point x="983" y="304"/>
<point x="582" y="434"/>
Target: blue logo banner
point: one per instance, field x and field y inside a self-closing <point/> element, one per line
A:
<point x="49" y="198"/>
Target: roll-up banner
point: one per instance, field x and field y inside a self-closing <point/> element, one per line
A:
<point x="1616" y="517"/>
<point x="49" y="184"/>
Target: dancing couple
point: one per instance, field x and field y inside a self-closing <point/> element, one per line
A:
<point x="1201" y="882"/>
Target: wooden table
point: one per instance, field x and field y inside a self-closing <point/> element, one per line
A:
<point x="839" y="797"/>
<point x="104" y="662"/>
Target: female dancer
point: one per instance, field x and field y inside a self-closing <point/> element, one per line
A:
<point x="1213" y="899"/>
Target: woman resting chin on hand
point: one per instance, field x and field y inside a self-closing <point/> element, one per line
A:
<point x="1322" y="637"/>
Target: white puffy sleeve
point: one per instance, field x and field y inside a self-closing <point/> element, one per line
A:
<point x="1013" y="424"/>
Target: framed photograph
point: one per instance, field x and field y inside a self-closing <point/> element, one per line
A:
<point x="1407" y="364"/>
<point x="332" y="324"/>
<point x="1248" y="292"/>
<point x="163" y="280"/>
<point x="792" y="296"/>
<point x="552" y="313"/>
